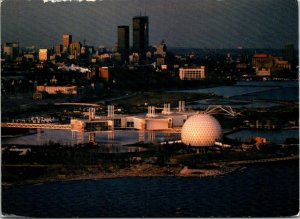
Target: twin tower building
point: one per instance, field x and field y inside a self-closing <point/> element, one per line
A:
<point x="140" y="40"/>
<point x="140" y="37"/>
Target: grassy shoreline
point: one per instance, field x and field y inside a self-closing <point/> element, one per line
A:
<point x="210" y="169"/>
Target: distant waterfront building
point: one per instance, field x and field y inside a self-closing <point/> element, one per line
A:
<point x="43" y="55"/>
<point x="57" y="89"/>
<point x="134" y="58"/>
<point x="58" y="49"/>
<point x="153" y="120"/>
<point x="123" y="41"/>
<point x="67" y="40"/>
<point x="104" y="73"/>
<point x="140" y="34"/>
<point x="84" y="50"/>
<point x="11" y="50"/>
<point x="29" y="57"/>
<point x="93" y="73"/>
<point x="280" y="64"/>
<point x="263" y="64"/>
<point x="86" y="125"/>
<point x="75" y="49"/>
<point x="161" y="50"/>
<point x="160" y="62"/>
<point x="289" y="53"/>
<point x="164" y="67"/>
<point x="192" y="73"/>
<point x="116" y="56"/>
<point x="8" y="52"/>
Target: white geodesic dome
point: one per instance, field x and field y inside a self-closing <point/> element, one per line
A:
<point x="201" y="130"/>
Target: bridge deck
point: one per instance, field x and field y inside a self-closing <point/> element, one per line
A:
<point x="35" y="125"/>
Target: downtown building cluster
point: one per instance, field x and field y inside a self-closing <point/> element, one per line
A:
<point x="140" y="52"/>
<point x="72" y="55"/>
<point x="104" y="65"/>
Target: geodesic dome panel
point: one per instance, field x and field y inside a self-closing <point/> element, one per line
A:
<point x="201" y="130"/>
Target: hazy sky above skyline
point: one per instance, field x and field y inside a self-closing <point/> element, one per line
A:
<point x="181" y="23"/>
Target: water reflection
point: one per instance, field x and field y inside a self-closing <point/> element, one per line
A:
<point x="114" y="141"/>
<point x="232" y="102"/>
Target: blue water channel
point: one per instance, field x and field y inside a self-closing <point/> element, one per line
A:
<point x="247" y="94"/>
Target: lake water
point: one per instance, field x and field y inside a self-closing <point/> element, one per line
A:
<point x="124" y="137"/>
<point x="248" y="90"/>
<point x="276" y="136"/>
<point x="203" y="104"/>
<point x="110" y="141"/>
<point x="286" y="94"/>
<point x="269" y="190"/>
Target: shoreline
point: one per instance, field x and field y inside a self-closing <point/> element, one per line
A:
<point x="212" y="169"/>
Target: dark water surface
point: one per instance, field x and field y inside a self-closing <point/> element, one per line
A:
<point x="275" y="136"/>
<point x="270" y="190"/>
<point x="251" y="90"/>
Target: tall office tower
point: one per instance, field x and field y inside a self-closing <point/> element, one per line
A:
<point x="161" y="49"/>
<point x="289" y="54"/>
<point x="75" y="49"/>
<point x="67" y="40"/>
<point x="58" y="49"/>
<point x="123" y="41"/>
<point x="11" y="50"/>
<point x="140" y="34"/>
<point x="43" y="55"/>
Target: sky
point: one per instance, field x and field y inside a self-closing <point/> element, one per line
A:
<point x="181" y="23"/>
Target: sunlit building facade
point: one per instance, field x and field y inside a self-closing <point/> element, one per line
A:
<point x="75" y="49"/>
<point x="161" y="50"/>
<point x="104" y="73"/>
<point x="43" y="55"/>
<point x="57" y="89"/>
<point x="67" y="40"/>
<point x="58" y="48"/>
<point x="11" y="50"/>
<point x="192" y="73"/>
<point x="263" y="64"/>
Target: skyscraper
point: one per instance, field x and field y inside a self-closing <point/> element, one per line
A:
<point x="75" y="49"/>
<point x="11" y="50"/>
<point x="43" y="55"/>
<point x="67" y="40"/>
<point x="289" y="54"/>
<point x="123" y="41"/>
<point x="58" y="49"/>
<point x="140" y="34"/>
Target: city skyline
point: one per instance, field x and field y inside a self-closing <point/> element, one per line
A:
<point x="161" y="108"/>
<point x="215" y="24"/>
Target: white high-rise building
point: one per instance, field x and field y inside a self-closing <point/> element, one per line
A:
<point x="192" y="73"/>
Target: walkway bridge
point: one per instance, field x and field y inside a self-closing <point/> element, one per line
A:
<point x="79" y="104"/>
<point x="35" y="125"/>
